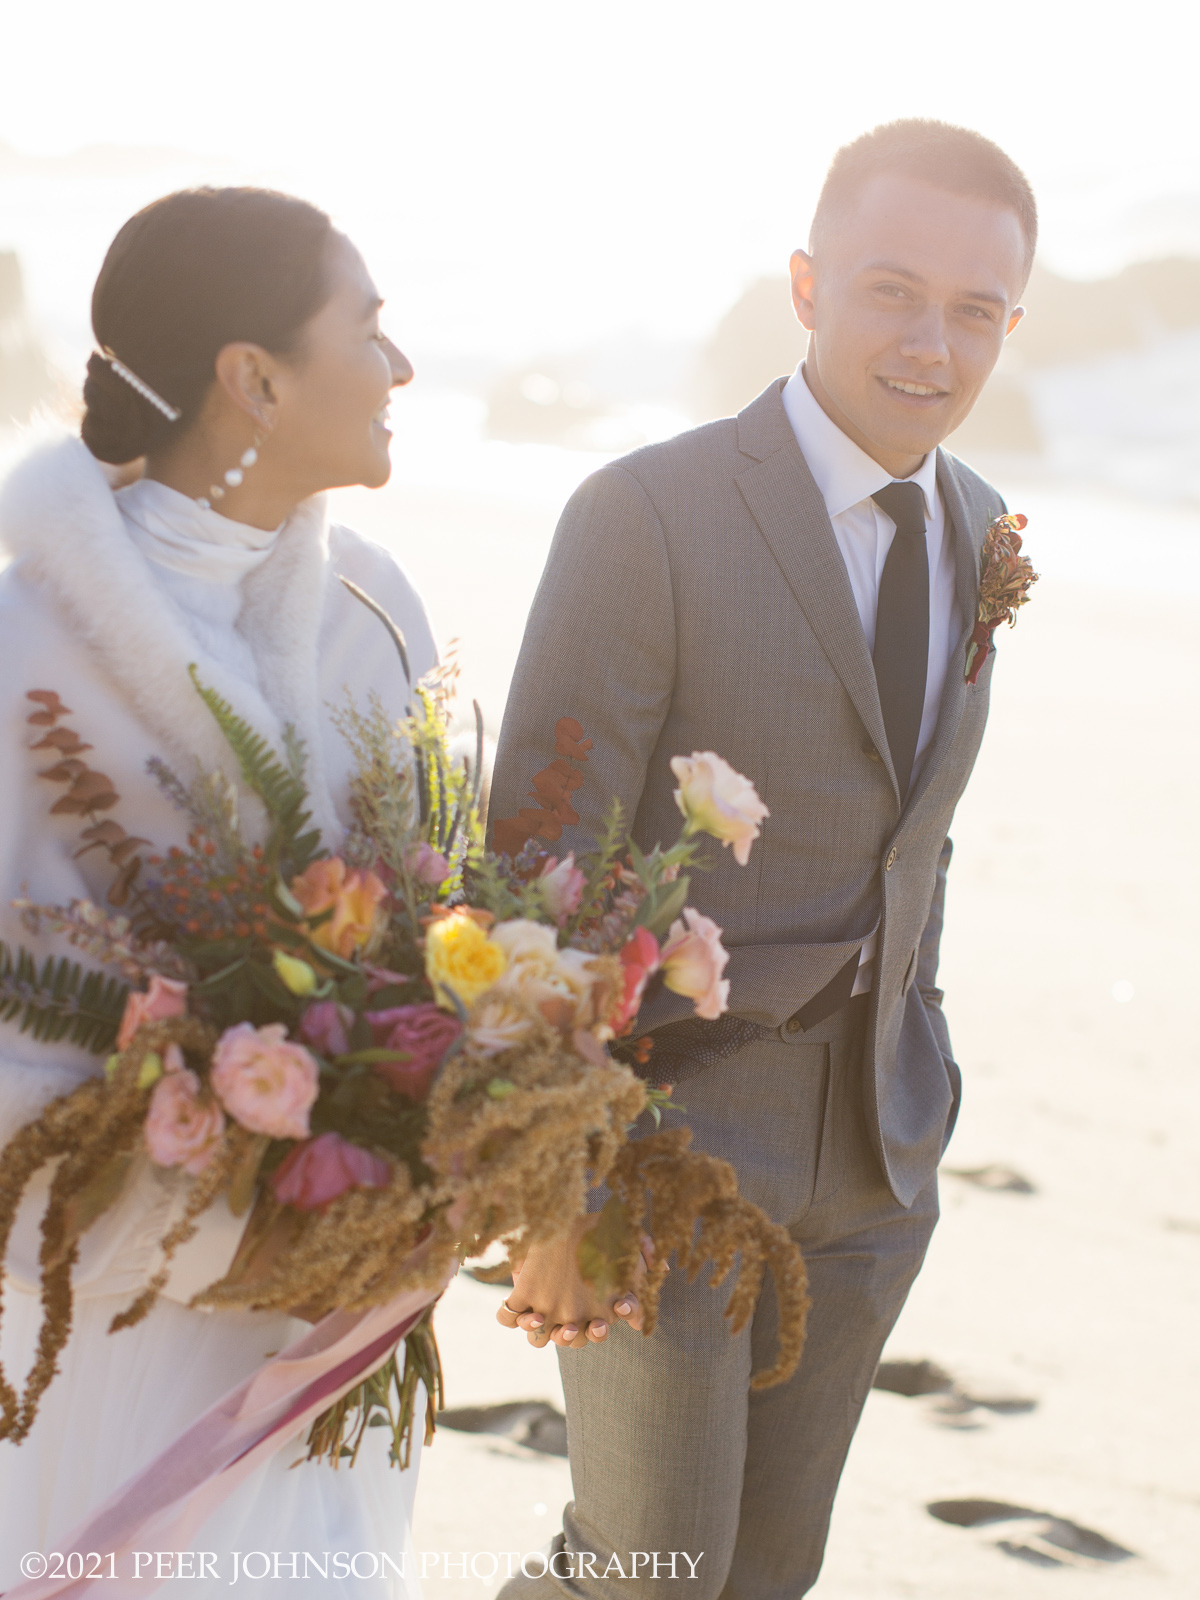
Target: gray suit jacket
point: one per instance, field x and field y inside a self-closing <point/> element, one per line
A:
<point x="695" y="599"/>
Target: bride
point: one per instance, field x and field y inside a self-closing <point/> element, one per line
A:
<point x="241" y="372"/>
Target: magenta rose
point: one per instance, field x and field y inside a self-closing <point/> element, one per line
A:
<point x="324" y="1026"/>
<point x="319" y="1170"/>
<point x="180" y="1130"/>
<point x="264" y="1080"/>
<point x="427" y="865"/>
<point x="425" y="1032"/>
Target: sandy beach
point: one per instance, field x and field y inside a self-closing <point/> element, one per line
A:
<point x="1062" y="1308"/>
<point x="1060" y="1300"/>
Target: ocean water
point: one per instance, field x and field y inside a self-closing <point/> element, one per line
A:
<point x="471" y="519"/>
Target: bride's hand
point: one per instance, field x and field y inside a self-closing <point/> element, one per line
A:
<point x="552" y="1302"/>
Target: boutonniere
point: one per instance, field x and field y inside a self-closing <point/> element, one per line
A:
<point x="1004" y="584"/>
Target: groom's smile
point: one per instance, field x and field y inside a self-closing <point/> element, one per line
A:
<point x="909" y="292"/>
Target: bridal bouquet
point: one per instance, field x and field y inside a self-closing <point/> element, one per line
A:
<point x="388" y="1059"/>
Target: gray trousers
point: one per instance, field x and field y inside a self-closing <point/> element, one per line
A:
<point x="669" y="1448"/>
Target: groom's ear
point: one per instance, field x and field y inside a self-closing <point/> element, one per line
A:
<point x="802" y="288"/>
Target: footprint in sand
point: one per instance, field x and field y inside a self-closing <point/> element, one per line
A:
<point x="995" y="1177"/>
<point x="959" y="1402"/>
<point x="532" y="1423"/>
<point x="1042" y="1539"/>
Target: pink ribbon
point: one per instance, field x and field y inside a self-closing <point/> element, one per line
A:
<point x="164" y="1505"/>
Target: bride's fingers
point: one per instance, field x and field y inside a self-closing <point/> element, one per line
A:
<point x="538" y="1337"/>
<point x="506" y="1316"/>
<point x="571" y="1335"/>
<point x="528" y="1321"/>
<point x="629" y="1311"/>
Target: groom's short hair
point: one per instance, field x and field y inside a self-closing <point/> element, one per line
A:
<point x="958" y="160"/>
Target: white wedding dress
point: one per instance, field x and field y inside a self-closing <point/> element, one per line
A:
<point x="109" y="598"/>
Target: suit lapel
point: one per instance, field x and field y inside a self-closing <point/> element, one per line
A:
<point x="785" y="502"/>
<point x="966" y="562"/>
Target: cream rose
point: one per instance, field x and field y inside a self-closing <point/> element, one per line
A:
<point x="538" y="970"/>
<point x="715" y="799"/>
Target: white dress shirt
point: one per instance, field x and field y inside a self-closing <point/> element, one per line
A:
<point x="847" y="478"/>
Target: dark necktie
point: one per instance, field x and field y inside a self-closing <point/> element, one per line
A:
<point x="901" y="663"/>
<point x="902" y="626"/>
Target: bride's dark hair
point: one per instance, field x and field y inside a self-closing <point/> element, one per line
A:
<point x="191" y="273"/>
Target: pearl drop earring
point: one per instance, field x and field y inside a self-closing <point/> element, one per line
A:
<point x="234" y="477"/>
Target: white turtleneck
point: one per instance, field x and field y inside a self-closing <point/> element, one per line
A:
<point x="200" y="559"/>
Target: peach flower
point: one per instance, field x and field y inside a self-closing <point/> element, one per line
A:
<point x="180" y="1129"/>
<point x="355" y="898"/>
<point x="693" y="960"/>
<point x="715" y="799"/>
<point x="165" y="998"/>
<point x="264" y="1080"/>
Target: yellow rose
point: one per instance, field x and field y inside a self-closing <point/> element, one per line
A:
<point x="461" y="960"/>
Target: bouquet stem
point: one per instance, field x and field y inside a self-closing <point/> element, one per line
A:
<point x="387" y="1399"/>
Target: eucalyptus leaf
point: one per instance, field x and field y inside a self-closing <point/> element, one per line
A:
<point x="373" y="1056"/>
<point x="662" y="905"/>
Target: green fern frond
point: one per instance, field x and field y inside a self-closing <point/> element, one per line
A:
<point x="610" y="847"/>
<point x="279" y="786"/>
<point x="62" y="1001"/>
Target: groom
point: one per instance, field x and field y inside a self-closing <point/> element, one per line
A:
<point x="793" y="588"/>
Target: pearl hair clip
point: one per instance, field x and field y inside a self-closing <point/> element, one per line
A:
<point x="144" y="389"/>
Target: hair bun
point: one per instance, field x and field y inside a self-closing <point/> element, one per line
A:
<point x="118" y="424"/>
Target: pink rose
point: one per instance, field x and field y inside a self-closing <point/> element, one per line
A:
<point x="165" y="998"/>
<point x="693" y="960"/>
<point x="640" y="958"/>
<point x="180" y="1130"/>
<point x="319" y="1170"/>
<point x="324" y="1026"/>
<point x="562" y="885"/>
<point x="715" y="799"/>
<point x="426" y="1032"/>
<point x="426" y="864"/>
<point x="355" y="898"/>
<point x="264" y="1081"/>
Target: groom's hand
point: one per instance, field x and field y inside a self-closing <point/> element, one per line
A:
<point x="553" y="1303"/>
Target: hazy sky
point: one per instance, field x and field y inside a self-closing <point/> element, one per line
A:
<point x="539" y="172"/>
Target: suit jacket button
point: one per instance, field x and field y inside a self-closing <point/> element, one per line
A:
<point x="891" y="860"/>
<point x="792" y="1025"/>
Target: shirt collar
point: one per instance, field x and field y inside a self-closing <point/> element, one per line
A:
<point x="843" y="473"/>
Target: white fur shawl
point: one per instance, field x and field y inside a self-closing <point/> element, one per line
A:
<point x="58" y="514"/>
